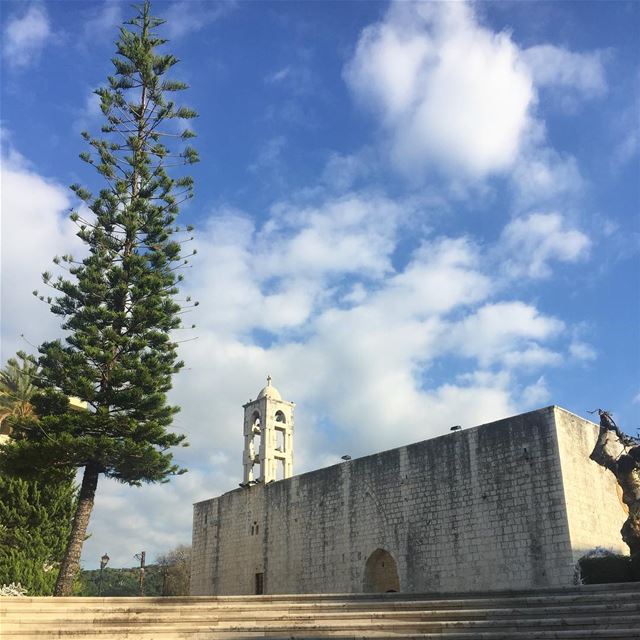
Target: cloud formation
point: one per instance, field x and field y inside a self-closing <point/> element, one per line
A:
<point x="102" y="21"/>
<point x="455" y="98"/>
<point x="34" y="203"/>
<point x="25" y="36"/>
<point x="553" y="66"/>
<point x="531" y="243"/>
<point x="451" y="94"/>
<point x="186" y="17"/>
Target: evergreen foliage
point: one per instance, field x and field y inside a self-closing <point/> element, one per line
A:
<point x="118" y="304"/>
<point x="35" y="518"/>
<point x="36" y="521"/>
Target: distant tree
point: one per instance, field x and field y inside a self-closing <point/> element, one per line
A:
<point x="118" y="307"/>
<point x="35" y="517"/>
<point x="176" y="569"/>
<point x="120" y="582"/>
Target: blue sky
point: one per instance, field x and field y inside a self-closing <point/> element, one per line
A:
<point x="411" y="215"/>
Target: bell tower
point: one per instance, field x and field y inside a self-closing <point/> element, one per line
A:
<point x="268" y="437"/>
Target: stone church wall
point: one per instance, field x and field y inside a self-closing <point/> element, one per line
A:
<point x="481" y="508"/>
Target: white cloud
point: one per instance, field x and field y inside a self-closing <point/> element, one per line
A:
<point x="506" y="332"/>
<point x="456" y="98"/>
<point x="627" y="148"/>
<point x="190" y="16"/>
<point x="88" y="116"/>
<point x="35" y="228"/>
<point x="104" y="20"/>
<point x="25" y="36"/>
<point x="288" y="266"/>
<point x="532" y="357"/>
<point x="582" y="351"/>
<point x="626" y="135"/>
<point x="341" y="172"/>
<point x="543" y="176"/>
<point x="351" y="234"/>
<point x="530" y="243"/>
<point x="536" y="394"/>
<point x="268" y="162"/>
<point x="443" y="275"/>
<point x="450" y="93"/>
<point x="557" y="67"/>
<point x="278" y="76"/>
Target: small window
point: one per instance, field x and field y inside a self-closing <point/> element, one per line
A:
<point x="280" y="417"/>
<point x="259" y="584"/>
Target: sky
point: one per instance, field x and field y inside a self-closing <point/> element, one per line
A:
<point x="412" y="216"/>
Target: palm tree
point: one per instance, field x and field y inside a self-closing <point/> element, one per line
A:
<point x="16" y="390"/>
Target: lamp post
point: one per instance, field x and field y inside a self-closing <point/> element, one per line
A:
<point x="103" y="564"/>
<point x="141" y="556"/>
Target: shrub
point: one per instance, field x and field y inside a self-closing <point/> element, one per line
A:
<point x="635" y="567"/>
<point x="604" y="569"/>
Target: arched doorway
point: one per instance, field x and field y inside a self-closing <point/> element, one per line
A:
<point x="381" y="573"/>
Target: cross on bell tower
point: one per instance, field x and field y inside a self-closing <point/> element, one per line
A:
<point x="268" y="437"/>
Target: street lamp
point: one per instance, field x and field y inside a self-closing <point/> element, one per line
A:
<point x="103" y="564"/>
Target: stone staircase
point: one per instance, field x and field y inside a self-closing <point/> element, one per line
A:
<point x="602" y="611"/>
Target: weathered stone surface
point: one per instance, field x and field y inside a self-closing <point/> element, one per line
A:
<point x="620" y="454"/>
<point x="506" y="505"/>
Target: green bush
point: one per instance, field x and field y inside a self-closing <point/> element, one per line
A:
<point x="605" y="569"/>
<point x="635" y="567"/>
<point x="35" y="521"/>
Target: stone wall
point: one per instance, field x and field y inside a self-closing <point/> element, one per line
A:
<point x="482" y="508"/>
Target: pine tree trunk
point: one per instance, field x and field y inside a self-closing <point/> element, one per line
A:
<point x="70" y="564"/>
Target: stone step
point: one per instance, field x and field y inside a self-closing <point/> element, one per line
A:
<point x="606" y="611"/>
<point x="160" y="633"/>
<point x="96" y="604"/>
<point x="283" y="626"/>
<point x="582" y="590"/>
<point x="173" y="613"/>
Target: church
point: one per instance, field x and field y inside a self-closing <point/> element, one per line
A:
<point x="507" y="505"/>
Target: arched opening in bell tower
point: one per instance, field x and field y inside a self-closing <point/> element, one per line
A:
<point x="254" y="443"/>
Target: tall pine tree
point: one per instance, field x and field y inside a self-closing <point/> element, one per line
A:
<point x="118" y="306"/>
